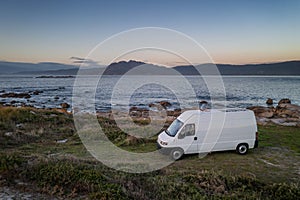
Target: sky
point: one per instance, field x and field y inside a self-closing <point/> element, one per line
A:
<point x="231" y="31"/>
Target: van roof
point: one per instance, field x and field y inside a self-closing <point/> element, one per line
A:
<point x="187" y="114"/>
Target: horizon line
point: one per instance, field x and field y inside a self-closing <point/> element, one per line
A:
<point x="153" y="63"/>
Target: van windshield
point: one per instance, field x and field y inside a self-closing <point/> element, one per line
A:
<point x="174" y="127"/>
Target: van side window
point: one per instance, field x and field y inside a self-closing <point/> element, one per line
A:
<point x="188" y="130"/>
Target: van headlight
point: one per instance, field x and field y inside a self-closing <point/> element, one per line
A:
<point x="163" y="143"/>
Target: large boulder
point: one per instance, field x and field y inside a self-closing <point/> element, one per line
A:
<point x="269" y="101"/>
<point x="288" y="110"/>
<point x="285" y="114"/>
<point x="165" y="104"/>
<point x="160" y="105"/>
<point x="261" y="111"/>
<point x="284" y="101"/>
<point x="65" y="105"/>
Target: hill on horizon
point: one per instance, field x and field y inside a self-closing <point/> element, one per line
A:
<point x="288" y="68"/>
<point x="281" y="68"/>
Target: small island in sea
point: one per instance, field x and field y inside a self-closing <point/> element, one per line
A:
<point x="59" y="76"/>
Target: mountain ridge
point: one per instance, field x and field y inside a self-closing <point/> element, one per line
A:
<point x="133" y="67"/>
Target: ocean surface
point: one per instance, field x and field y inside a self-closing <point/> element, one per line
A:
<point x="123" y="92"/>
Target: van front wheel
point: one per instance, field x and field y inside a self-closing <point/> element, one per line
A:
<point x="242" y="149"/>
<point x="176" y="154"/>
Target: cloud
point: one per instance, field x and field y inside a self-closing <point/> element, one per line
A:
<point x="76" y="58"/>
<point x="83" y="61"/>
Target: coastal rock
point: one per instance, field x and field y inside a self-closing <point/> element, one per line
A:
<point x="60" y="110"/>
<point x="62" y="141"/>
<point x="65" y="105"/>
<point x="136" y="112"/>
<point x="285" y="114"/>
<point x="285" y="101"/>
<point x="288" y="110"/>
<point x="15" y="95"/>
<point x="13" y="102"/>
<point x="269" y="101"/>
<point x="261" y="111"/>
<point x="145" y="114"/>
<point x="56" y="97"/>
<point x="8" y="134"/>
<point x="32" y="112"/>
<point x="155" y="105"/>
<point x="174" y="113"/>
<point x="66" y="76"/>
<point x="203" y="102"/>
<point x="283" y="122"/>
<point x="203" y="105"/>
<point x="160" y="105"/>
<point x="165" y="104"/>
<point x="262" y="121"/>
<point x="37" y="92"/>
<point x="20" y="126"/>
<point x="31" y="101"/>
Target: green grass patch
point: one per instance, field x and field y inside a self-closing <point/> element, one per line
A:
<point x="30" y="153"/>
<point x="280" y="136"/>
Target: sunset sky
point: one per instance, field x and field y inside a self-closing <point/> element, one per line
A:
<point x="240" y="31"/>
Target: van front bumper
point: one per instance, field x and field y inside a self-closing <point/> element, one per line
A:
<point x="163" y="150"/>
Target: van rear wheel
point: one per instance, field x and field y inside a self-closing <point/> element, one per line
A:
<point x="176" y="154"/>
<point x="242" y="149"/>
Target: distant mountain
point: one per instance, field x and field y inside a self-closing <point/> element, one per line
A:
<point x="17" y="67"/>
<point x="135" y="68"/>
<point x="282" y="68"/>
<point x="140" y="68"/>
<point x="90" y="71"/>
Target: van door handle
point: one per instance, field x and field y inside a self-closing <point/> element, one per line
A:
<point x="195" y="138"/>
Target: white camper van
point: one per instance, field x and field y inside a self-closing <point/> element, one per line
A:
<point x="196" y="131"/>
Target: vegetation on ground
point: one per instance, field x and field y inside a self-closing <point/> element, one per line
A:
<point x="32" y="158"/>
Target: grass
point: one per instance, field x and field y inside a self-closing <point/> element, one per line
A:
<point x="32" y="155"/>
<point x="280" y="136"/>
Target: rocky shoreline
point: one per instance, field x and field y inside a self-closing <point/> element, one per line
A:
<point x="25" y="99"/>
<point x="284" y="114"/>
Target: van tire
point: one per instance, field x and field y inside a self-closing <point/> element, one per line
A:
<point x="176" y="154"/>
<point x="242" y="148"/>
